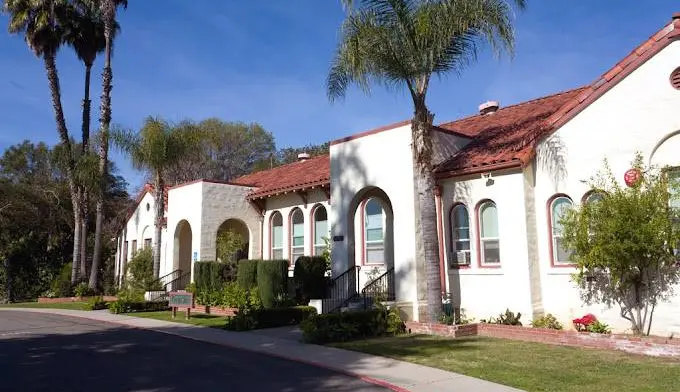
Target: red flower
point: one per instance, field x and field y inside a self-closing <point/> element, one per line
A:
<point x="581" y="324"/>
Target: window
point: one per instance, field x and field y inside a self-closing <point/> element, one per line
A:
<point x="276" y="236"/>
<point x="134" y="248"/>
<point x="320" y="230"/>
<point x="674" y="187"/>
<point x="593" y="197"/>
<point x="374" y="246"/>
<point x="459" y="221"/>
<point x="125" y="251"/>
<point x="297" y="235"/>
<point x="147" y="243"/>
<point x="558" y="207"/>
<point x="488" y="234"/>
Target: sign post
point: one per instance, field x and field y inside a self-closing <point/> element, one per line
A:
<point x="181" y="300"/>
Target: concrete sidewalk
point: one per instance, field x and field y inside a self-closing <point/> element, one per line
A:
<point x="398" y="375"/>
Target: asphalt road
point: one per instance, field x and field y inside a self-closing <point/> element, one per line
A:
<point x="42" y="352"/>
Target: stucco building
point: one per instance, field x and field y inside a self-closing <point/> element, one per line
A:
<point x="503" y="176"/>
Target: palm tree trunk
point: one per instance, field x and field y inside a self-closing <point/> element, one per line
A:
<point x="427" y="219"/>
<point x="53" y="80"/>
<point x="8" y="279"/>
<point x="83" y="236"/>
<point x="85" y="149"/>
<point x="160" y="210"/>
<point x="104" y="122"/>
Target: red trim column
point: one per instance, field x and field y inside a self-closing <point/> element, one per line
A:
<point x="440" y="236"/>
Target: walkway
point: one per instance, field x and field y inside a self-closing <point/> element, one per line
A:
<point x="398" y="375"/>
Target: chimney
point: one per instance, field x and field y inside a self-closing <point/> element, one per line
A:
<point x="488" y="107"/>
<point x="676" y="16"/>
<point x="303" y="156"/>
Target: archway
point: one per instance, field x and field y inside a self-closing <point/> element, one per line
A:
<point x="233" y="241"/>
<point x="370" y="231"/>
<point x="182" y="248"/>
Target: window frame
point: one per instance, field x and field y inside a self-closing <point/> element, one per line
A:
<point x="551" y="234"/>
<point x="453" y="263"/>
<point x="272" y="247"/>
<point x="364" y="240"/>
<point x="292" y="248"/>
<point x="313" y="224"/>
<point x="134" y="248"/>
<point x="481" y="240"/>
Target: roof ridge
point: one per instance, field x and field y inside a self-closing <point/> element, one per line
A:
<point x="530" y="101"/>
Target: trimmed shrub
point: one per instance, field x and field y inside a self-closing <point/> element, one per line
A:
<point x="95" y="303"/>
<point x="247" y="273"/>
<point x="279" y="317"/>
<point x="310" y="279"/>
<point x="61" y="286"/>
<point x="341" y="327"/>
<point x="82" y="290"/>
<point x="272" y="280"/>
<point x="212" y="275"/>
<point x="122" y="306"/>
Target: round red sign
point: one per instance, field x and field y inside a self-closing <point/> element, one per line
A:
<point x="632" y="177"/>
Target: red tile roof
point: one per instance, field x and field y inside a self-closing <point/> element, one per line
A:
<point x="287" y="178"/>
<point x="508" y="137"/>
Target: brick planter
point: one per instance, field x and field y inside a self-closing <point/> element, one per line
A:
<point x="646" y="345"/>
<point x="45" y="300"/>
<point x="214" y="310"/>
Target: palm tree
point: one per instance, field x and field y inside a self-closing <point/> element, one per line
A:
<point x="43" y="24"/>
<point x="108" y="9"/>
<point x="397" y="43"/>
<point x="157" y="147"/>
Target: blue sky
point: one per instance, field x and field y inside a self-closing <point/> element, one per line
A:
<point x="266" y="61"/>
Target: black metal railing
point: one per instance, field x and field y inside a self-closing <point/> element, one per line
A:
<point x="164" y="280"/>
<point x="381" y="289"/>
<point x="180" y="282"/>
<point x="341" y="290"/>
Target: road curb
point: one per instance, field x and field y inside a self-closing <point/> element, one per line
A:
<point x="370" y="380"/>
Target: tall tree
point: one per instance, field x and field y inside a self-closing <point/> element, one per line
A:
<point x="108" y="9"/>
<point x="43" y="24"/>
<point x="155" y="148"/>
<point x="399" y="43"/>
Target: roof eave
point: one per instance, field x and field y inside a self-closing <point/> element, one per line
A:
<point x="515" y="163"/>
<point x="299" y="188"/>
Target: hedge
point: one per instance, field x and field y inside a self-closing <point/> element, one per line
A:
<point x="310" y="279"/>
<point x="341" y="327"/>
<point x="272" y="280"/>
<point x="212" y="275"/>
<point x="247" y="274"/>
<point x="122" y="306"/>
<point x="280" y="317"/>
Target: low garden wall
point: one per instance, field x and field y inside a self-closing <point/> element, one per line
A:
<point x="646" y="345"/>
<point x="214" y="310"/>
<point x="45" y="300"/>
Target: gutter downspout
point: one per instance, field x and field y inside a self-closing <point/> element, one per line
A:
<point x="438" y="206"/>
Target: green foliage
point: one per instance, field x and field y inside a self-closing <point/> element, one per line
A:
<point x="546" y="321"/>
<point x="130" y="294"/>
<point x="212" y="275"/>
<point x="141" y="271"/>
<point x="310" y="279"/>
<point x="451" y="316"/>
<point x="82" y="290"/>
<point x="95" y="303"/>
<point x="124" y="306"/>
<point x="341" y="327"/>
<point x="507" y="318"/>
<point x="61" y="286"/>
<point x="247" y="273"/>
<point x="272" y="280"/>
<point x="279" y="317"/>
<point x="624" y="245"/>
<point x="599" y="327"/>
<point x="229" y="246"/>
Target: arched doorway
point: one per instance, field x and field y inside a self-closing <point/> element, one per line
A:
<point x="233" y="241"/>
<point x="182" y="248"/>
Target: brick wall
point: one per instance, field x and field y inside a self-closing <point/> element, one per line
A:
<point x="45" y="300"/>
<point x="214" y="310"/>
<point x="647" y="345"/>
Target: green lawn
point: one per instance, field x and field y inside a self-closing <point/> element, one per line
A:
<point x="530" y="366"/>
<point x="204" y="320"/>
<point x="64" y="305"/>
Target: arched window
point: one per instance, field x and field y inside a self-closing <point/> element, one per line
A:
<point x="374" y="233"/>
<point x="276" y="236"/>
<point x="489" y="250"/>
<point x="593" y="197"/>
<point x="320" y="229"/>
<point x="459" y="221"/>
<point x="297" y="235"/>
<point x="558" y="207"/>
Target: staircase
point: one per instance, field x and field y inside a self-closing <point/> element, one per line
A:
<point x="380" y="289"/>
<point x="175" y="280"/>
<point x="341" y="290"/>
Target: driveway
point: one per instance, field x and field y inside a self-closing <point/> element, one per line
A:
<point x="46" y="352"/>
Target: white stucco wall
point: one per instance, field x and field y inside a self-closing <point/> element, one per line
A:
<point x="285" y="204"/>
<point x="381" y="160"/>
<point x="487" y="291"/>
<point x="633" y="116"/>
<point x="184" y="203"/>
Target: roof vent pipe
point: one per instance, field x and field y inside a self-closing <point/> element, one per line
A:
<point x="488" y="107"/>
<point x="303" y="156"/>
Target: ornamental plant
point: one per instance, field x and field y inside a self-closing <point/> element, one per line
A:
<point x="582" y="324"/>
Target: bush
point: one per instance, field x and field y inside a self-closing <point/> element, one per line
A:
<point x="507" y="318"/>
<point x="246" y="275"/>
<point x="212" y="275"/>
<point x="141" y="271"/>
<point x="123" y="306"/>
<point x="279" y="317"/>
<point x="341" y="327"/>
<point x="272" y="279"/>
<point x="82" y="290"/>
<point x="310" y="278"/>
<point x="95" y="303"/>
<point x="546" y="321"/>
<point x="590" y="323"/>
<point x="61" y="285"/>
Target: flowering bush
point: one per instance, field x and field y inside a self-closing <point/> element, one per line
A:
<point x="590" y="323"/>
